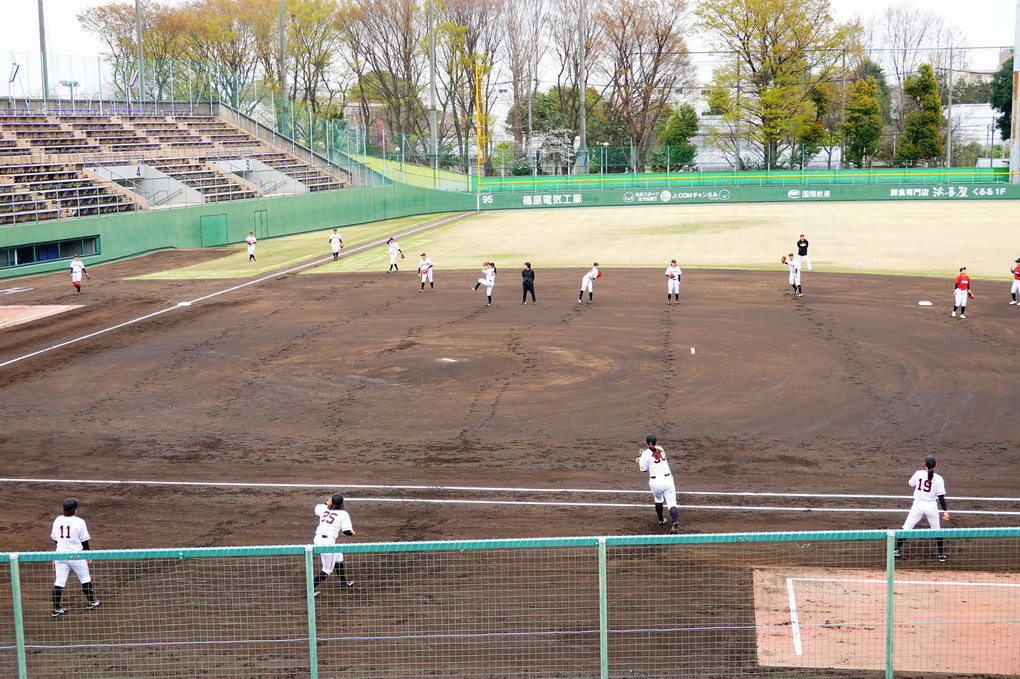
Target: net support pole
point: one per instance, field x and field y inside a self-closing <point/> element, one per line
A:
<point x="603" y="614"/>
<point x="19" y="623"/>
<point x="890" y="579"/>
<point x="313" y="651"/>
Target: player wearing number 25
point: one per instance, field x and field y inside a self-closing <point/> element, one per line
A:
<point x="929" y="487"/>
<point x="333" y="520"/>
<point x="71" y="535"/>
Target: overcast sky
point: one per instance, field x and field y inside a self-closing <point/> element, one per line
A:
<point x="986" y="23"/>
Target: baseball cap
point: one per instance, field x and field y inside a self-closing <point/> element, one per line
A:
<point x="70" y="504"/>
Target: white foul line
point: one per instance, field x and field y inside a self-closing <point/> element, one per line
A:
<point x="186" y="304"/>
<point x="560" y="491"/>
<point x="794" y="620"/>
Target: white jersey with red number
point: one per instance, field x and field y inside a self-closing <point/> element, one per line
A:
<point x="648" y="464"/>
<point x="925" y="490"/>
<point x="69" y="532"/>
<point x="335" y="242"/>
<point x="332" y="522"/>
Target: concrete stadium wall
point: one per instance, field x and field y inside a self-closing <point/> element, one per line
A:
<point x="219" y="224"/>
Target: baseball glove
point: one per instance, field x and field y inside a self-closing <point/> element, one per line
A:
<point x="970" y="294"/>
<point x="782" y="259"/>
<point x="401" y="255"/>
<point x="88" y="277"/>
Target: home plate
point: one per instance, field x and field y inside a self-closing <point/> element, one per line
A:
<point x="924" y="302"/>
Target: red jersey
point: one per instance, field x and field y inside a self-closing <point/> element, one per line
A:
<point x="962" y="282"/>
<point x="1016" y="273"/>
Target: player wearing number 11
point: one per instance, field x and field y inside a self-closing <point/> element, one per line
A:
<point x="71" y="535"/>
<point x="929" y="487"/>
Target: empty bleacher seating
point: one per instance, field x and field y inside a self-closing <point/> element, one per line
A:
<point x="42" y="158"/>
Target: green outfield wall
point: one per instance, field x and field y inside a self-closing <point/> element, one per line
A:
<point x="567" y="196"/>
<point x="220" y="224"/>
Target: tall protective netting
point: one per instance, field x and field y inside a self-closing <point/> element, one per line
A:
<point x="801" y="605"/>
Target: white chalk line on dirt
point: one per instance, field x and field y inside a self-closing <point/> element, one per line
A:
<point x="189" y="303"/>
<point x="795" y="625"/>
<point x="561" y="491"/>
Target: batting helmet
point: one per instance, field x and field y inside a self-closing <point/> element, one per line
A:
<point x="651" y="439"/>
<point x="70" y="505"/>
<point x="337" y="500"/>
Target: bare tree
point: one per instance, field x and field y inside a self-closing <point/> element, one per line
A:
<point x="313" y="39"/>
<point x="390" y="61"/>
<point x="473" y="36"/>
<point x="645" y="58"/>
<point x="527" y="26"/>
<point x="564" y="49"/>
<point x="909" y="36"/>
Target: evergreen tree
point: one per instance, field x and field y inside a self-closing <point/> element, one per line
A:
<point x="863" y="124"/>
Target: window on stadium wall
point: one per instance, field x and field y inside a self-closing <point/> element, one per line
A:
<point x="47" y="252"/>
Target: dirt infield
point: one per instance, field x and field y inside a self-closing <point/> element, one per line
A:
<point x="343" y="379"/>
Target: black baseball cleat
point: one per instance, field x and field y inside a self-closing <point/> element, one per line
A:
<point x="662" y="522"/>
<point x="896" y="552"/>
<point x="943" y="557"/>
<point x="347" y="584"/>
<point x="92" y="604"/>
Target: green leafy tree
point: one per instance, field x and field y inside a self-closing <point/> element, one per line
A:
<point x="674" y="130"/>
<point x="1001" y="98"/>
<point x="863" y="125"/>
<point x="971" y="92"/>
<point x="781" y="49"/>
<point x="922" y="140"/>
<point x="870" y="69"/>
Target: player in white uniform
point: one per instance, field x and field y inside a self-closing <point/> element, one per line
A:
<point x="673" y="274"/>
<point x="929" y="488"/>
<point x="794" y="265"/>
<point x="333" y="520"/>
<point x="660" y="479"/>
<point x="336" y="244"/>
<point x="251" y="240"/>
<point x="425" y="270"/>
<point x="70" y="534"/>
<point x="488" y="279"/>
<point x="77" y="269"/>
<point x="394" y="251"/>
<point x="587" y="283"/>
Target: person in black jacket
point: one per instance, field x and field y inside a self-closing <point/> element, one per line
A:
<point x="528" y="281"/>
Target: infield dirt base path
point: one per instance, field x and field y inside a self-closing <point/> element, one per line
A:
<point x="345" y="378"/>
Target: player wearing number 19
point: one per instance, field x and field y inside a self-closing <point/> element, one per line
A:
<point x="333" y="520"/>
<point x="71" y="535"/>
<point x="929" y="487"/>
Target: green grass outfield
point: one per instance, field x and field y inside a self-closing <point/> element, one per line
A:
<point x="920" y="238"/>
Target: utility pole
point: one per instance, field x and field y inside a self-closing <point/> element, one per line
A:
<point x="1014" y="127"/>
<point x="949" y="117"/>
<point x="42" y="56"/>
<point x="138" y="39"/>
<point x="582" y="147"/>
<point x="433" y="96"/>
<point x="283" y="59"/>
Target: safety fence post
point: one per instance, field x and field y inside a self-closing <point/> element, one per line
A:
<point x="313" y="651"/>
<point x="19" y="624"/>
<point x="603" y="613"/>
<point x="890" y="573"/>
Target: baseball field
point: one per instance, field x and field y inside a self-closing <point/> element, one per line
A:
<point x="191" y="398"/>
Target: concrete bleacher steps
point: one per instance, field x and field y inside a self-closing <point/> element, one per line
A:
<point x="79" y="164"/>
